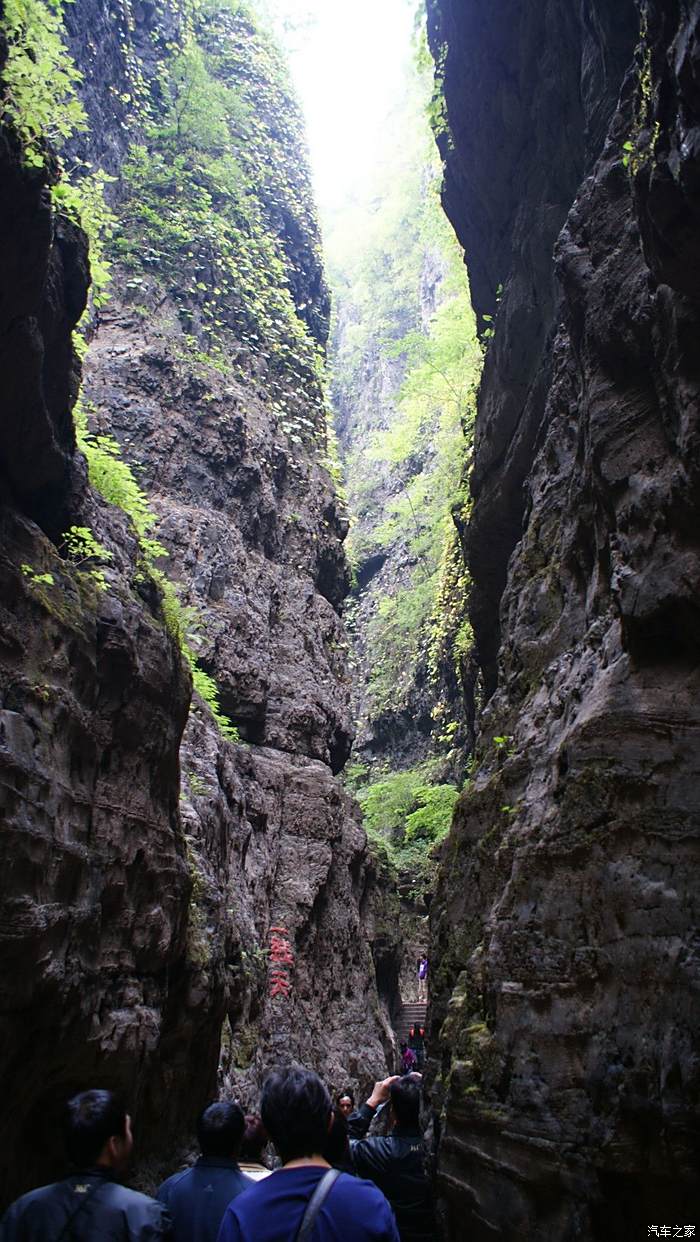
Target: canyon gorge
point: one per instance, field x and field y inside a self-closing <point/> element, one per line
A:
<point x="289" y="695"/>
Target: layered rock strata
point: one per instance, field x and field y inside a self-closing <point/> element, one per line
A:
<point x="94" y="698"/>
<point x="565" y="972"/>
<point x="139" y="907"/>
<point x="273" y="839"/>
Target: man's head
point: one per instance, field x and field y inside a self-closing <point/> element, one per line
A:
<point x="337" y="1146"/>
<point x="405" y="1102"/>
<point x="220" y="1130"/>
<point x="296" y="1112"/>
<point x="345" y="1102"/>
<point x="255" y="1138"/>
<point x="98" y="1131"/>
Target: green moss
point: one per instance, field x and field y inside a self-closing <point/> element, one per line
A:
<point x="198" y="941"/>
<point x="405" y="479"/>
<point x="405" y="815"/>
<point x="244" y="1044"/>
<point x="220" y="164"/>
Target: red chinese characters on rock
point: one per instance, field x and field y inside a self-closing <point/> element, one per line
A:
<point x="281" y="962"/>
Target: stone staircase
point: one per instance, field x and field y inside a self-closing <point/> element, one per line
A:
<point x="412" y="1014"/>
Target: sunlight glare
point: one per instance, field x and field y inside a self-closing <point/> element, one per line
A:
<point x="348" y="61"/>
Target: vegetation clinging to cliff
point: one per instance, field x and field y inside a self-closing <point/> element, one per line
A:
<point x="211" y="201"/>
<point x="406" y="365"/>
<point x="406" y="814"/>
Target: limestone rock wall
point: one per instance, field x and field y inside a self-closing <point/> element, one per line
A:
<point x="565" y="976"/>
<point x="143" y="870"/>
<point x="273" y="840"/>
<point x="93" y="701"/>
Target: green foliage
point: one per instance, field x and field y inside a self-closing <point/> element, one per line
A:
<point x="433" y="815"/>
<point x="39" y="95"/>
<point x="82" y="545"/>
<point x="403" y="313"/>
<point x="114" y="479"/>
<point x="503" y="743"/>
<point x="36" y="577"/>
<point x="82" y="548"/>
<point x="639" y="147"/>
<point x="182" y="623"/>
<point x="355" y="775"/>
<point x="208" y="690"/>
<point x="206" y="194"/>
<point x="434" y="63"/>
<point x="397" y="638"/>
<point x="85" y="203"/>
<point x="405" y="816"/>
<point x="451" y="636"/>
<point x="199" y="788"/>
<point x="39" y="88"/>
<point x="209" y="198"/>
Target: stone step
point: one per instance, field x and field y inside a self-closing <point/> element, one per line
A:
<point x="413" y="1013"/>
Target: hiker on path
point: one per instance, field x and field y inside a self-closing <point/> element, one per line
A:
<point x="345" y="1102"/>
<point x="296" y="1112"/>
<point x="197" y="1197"/>
<point x="408" y="1060"/>
<point x="423" y="980"/>
<point x="90" y="1204"/>
<point x="416" y="1042"/>
<point x="255" y="1140"/>
<point x="396" y="1163"/>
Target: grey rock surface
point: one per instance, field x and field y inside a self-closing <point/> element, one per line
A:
<point x="93" y="700"/>
<point x="137" y="908"/>
<point x="564" y="934"/>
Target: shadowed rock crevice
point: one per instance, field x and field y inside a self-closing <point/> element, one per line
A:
<point x="564" y="1003"/>
<point x="146" y="857"/>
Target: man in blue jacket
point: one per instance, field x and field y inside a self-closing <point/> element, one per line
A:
<point x="90" y="1206"/>
<point x="296" y="1112"/>
<point x="197" y="1198"/>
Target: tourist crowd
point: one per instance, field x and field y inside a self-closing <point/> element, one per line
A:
<point x="336" y="1182"/>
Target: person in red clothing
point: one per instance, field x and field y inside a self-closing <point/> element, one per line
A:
<point x="416" y="1042"/>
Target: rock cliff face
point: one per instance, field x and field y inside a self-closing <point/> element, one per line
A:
<point x="138" y="907"/>
<point x="565" y="968"/>
<point x="93" y="700"/>
<point x="273" y="839"/>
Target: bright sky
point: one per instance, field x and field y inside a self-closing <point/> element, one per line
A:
<point x="347" y="64"/>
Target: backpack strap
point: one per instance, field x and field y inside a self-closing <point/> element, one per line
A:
<point x="315" y="1204"/>
<point x="67" y="1230"/>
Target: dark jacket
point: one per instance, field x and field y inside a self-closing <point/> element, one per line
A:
<point x="396" y="1164"/>
<point x="87" y="1207"/>
<point x="197" y="1198"/>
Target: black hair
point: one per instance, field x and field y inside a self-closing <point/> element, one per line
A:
<point x="295" y="1108"/>
<point x="220" y="1129"/>
<point x="343" y="1094"/>
<point x="405" y="1102"/>
<point x="254" y="1139"/>
<point x="92" y="1119"/>
<point x="336" y="1149"/>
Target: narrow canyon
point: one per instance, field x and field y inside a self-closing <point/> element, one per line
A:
<point x="350" y="592"/>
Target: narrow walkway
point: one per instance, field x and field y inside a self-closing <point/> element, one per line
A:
<point x="412" y="1014"/>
